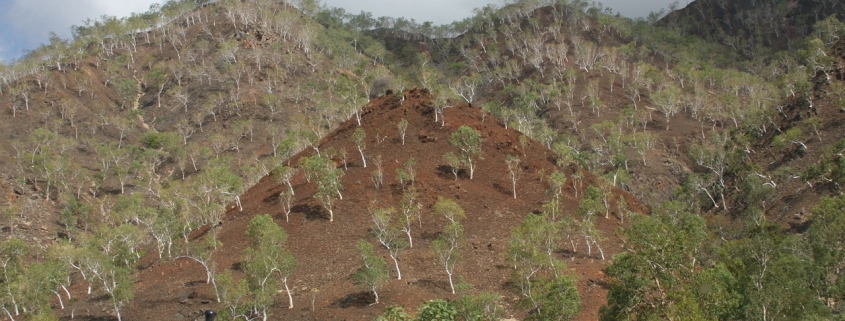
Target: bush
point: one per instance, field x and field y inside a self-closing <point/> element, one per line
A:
<point x="438" y="310"/>
<point x="482" y="307"/>
<point x="157" y="140"/>
<point x="393" y="313"/>
<point x="379" y="87"/>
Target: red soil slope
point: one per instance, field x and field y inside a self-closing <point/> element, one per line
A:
<point x="322" y="288"/>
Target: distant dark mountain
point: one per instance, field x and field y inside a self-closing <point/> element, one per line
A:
<point x="750" y="25"/>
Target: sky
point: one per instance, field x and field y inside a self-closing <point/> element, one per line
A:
<point x="25" y="24"/>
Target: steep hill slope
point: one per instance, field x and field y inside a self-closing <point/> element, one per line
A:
<point x="134" y="104"/>
<point x="800" y="161"/>
<point x="321" y="284"/>
<point x="129" y="140"/>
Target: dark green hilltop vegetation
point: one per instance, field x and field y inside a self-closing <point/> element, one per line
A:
<point x="540" y="160"/>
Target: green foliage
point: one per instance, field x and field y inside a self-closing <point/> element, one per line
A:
<point x="373" y="272"/>
<point x="538" y="275"/>
<point x="591" y="203"/>
<point x="438" y="310"/>
<point x="447" y="245"/>
<point x="829" y="30"/>
<point x="126" y="88"/>
<point x="159" y="140"/>
<point x="233" y="295"/>
<point x="408" y="173"/>
<point x="267" y="257"/>
<point x="393" y="313"/>
<point x="485" y="306"/>
<point x="468" y="142"/>
<point x="263" y="231"/>
<point x="566" y="150"/>
<point x="121" y="243"/>
<point x="328" y="189"/>
<point x="358" y="136"/>
<point x="692" y="282"/>
<point x="314" y="166"/>
<point x="328" y="179"/>
<point x="756" y="194"/>
<point x="773" y="271"/>
<point x="830" y="168"/>
<point x="453" y="162"/>
<point x="43" y="313"/>
<point x="13" y="256"/>
<point x="716" y="292"/>
<point x="284" y="174"/>
<point x="214" y="187"/>
<point x="449" y="209"/>
<point x="826" y="238"/>
<point x="532" y="245"/>
<point x="389" y="235"/>
<point x="837" y="92"/>
<point x="653" y="277"/>
<point x="27" y="285"/>
<point x="553" y="206"/>
<point x="556" y="298"/>
<point x="76" y="212"/>
<point x="402" y="126"/>
<point x="792" y="136"/>
<point x="127" y="207"/>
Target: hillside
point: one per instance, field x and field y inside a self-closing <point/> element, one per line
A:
<point x="107" y="116"/>
<point x="147" y="145"/>
<point x="321" y="282"/>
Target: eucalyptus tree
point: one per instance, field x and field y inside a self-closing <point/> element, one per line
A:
<point x="542" y="279"/>
<point x="447" y="246"/>
<point x="591" y="204"/>
<point x="268" y="261"/>
<point x="468" y="141"/>
<point x="657" y="271"/>
<point x="328" y="179"/>
<point x="13" y="257"/>
<point x="203" y="252"/>
<point x="388" y="235"/>
<point x="669" y="101"/>
<point x="373" y="272"/>
<point x="409" y="208"/>
<point x="359" y="136"/>
<point x="403" y="128"/>
<point x="515" y="171"/>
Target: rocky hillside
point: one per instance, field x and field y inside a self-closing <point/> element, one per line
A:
<point x="142" y="154"/>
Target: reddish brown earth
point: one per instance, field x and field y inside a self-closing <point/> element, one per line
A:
<point x="325" y="250"/>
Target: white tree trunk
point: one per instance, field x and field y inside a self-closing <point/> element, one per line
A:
<point x="396" y="262"/>
<point x="363" y="159"/>
<point x="290" y="297"/>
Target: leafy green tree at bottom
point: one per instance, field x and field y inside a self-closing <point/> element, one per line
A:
<point x="374" y="271"/>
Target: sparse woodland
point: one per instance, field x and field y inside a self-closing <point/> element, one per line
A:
<point x="630" y="169"/>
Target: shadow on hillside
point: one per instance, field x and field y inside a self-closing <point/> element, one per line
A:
<point x="357" y="299"/>
<point x="445" y="172"/>
<point x="311" y="212"/>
